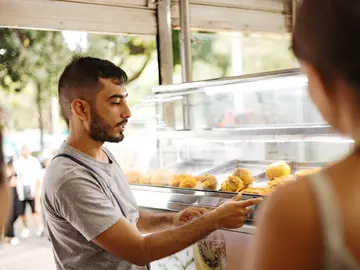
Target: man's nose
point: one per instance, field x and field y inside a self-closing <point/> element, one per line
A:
<point x="126" y="113"/>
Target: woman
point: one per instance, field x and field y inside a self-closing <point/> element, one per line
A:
<point x="4" y="191"/>
<point x="314" y="222"/>
<point x="14" y="212"/>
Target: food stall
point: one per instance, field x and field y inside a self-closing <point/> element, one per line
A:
<point x="202" y="142"/>
<point x="208" y="140"/>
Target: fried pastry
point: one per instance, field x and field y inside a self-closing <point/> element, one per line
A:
<point x="207" y="181"/>
<point x="184" y="181"/>
<point x="233" y="184"/>
<point x="133" y="177"/>
<point x="277" y="169"/>
<point x="245" y="175"/>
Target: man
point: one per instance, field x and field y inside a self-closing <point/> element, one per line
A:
<point x="28" y="170"/>
<point x="91" y="215"/>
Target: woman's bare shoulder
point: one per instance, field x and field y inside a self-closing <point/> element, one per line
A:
<point x="291" y="207"/>
<point x="288" y="230"/>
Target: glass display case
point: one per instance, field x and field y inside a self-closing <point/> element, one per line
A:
<point x="199" y="143"/>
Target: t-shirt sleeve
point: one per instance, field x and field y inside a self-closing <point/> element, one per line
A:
<point x="84" y="204"/>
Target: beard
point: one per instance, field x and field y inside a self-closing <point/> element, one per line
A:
<point x="100" y="129"/>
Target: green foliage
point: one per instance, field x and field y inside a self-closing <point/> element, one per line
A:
<point x="30" y="56"/>
<point x="34" y="60"/>
<point x="203" y="50"/>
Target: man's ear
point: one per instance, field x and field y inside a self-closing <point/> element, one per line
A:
<point x="81" y="109"/>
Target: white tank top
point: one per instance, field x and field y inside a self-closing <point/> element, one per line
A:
<point x="336" y="254"/>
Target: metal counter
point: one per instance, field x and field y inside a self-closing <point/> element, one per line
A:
<point x="176" y="199"/>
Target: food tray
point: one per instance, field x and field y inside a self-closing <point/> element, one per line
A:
<point x="260" y="180"/>
<point x="221" y="172"/>
<point x="257" y="168"/>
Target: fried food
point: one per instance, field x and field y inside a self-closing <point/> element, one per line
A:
<point x="188" y="183"/>
<point x="133" y="177"/>
<point x="207" y="181"/>
<point x="185" y="180"/>
<point x="245" y="175"/>
<point x="258" y="191"/>
<point x="175" y="182"/>
<point x="307" y="172"/>
<point x="159" y="177"/>
<point x="145" y="180"/>
<point x="233" y="184"/>
<point x="281" y="180"/>
<point x="277" y="169"/>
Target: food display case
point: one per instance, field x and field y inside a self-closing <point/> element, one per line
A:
<point x="202" y="142"/>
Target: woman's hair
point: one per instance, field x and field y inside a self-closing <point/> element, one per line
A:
<point x="2" y="163"/>
<point x="327" y="36"/>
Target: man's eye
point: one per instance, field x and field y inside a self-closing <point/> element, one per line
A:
<point x="116" y="101"/>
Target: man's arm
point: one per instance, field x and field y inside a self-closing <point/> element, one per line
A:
<point x="151" y="221"/>
<point x="82" y="202"/>
<point x="123" y="240"/>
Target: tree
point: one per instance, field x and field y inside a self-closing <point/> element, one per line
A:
<point x="36" y="58"/>
<point x="121" y="50"/>
<point x="204" y="50"/>
<point x="30" y="57"/>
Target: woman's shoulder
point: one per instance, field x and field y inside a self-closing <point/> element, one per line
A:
<point x="288" y="228"/>
<point x="292" y="203"/>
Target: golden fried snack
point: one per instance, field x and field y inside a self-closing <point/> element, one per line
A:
<point x="307" y="172"/>
<point x="245" y="175"/>
<point x="233" y="184"/>
<point x="277" y="169"/>
<point x="207" y="181"/>
<point x="185" y="180"/>
<point x="175" y="182"/>
<point x="281" y="180"/>
<point x="188" y="183"/>
<point x="159" y="177"/>
<point x="133" y="177"/>
<point x="145" y="180"/>
<point x="258" y="191"/>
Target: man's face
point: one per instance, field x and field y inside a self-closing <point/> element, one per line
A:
<point x="110" y="113"/>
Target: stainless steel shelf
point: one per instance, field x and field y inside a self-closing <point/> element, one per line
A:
<point x="176" y="199"/>
<point x="278" y="131"/>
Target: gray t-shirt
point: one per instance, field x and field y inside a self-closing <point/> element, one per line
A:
<point x="77" y="208"/>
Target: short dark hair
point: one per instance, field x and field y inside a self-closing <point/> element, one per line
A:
<point x="327" y="35"/>
<point x="80" y="80"/>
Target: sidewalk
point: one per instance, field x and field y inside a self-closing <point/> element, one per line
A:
<point x="32" y="254"/>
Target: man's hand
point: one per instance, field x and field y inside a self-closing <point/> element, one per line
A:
<point x="187" y="215"/>
<point x="233" y="213"/>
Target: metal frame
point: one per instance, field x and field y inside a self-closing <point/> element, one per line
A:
<point x="71" y="15"/>
<point x="165" y="52"/>
<point x="186" y="56"/>
<point x="192" y="86"/>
